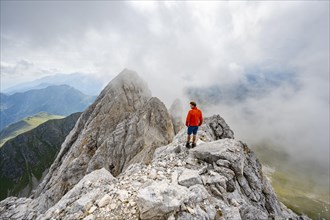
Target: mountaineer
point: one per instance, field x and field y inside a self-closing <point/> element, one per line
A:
<point x="193" y="121"/>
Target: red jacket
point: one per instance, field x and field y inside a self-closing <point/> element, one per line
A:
<point x="194" y="117"/>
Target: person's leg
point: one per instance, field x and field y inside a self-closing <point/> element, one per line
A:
<point x="188" y="138"/>
<point x="194" y="136"/>
<point x="189" y="132"/>
<point x="194" y="139"/>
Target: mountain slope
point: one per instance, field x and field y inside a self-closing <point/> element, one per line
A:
<point x="25" y="125"/>
<point x="123" y="126"/>
<point x="3" y="100"/>
<point x="219" y="179"/>
<point x="25" y="158"/>
<point x="56" y="100"/>
<point x="300" y="184"/>
<point x="122" y="162"/>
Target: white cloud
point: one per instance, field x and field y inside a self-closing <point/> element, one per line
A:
<point x="178" y="44"/>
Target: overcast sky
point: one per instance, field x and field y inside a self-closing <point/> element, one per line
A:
<point x="175" y="45"/>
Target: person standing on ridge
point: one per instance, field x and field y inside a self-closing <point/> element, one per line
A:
<point x="193" y="121"/>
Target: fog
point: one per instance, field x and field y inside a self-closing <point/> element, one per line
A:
<point x="277" y="51"/>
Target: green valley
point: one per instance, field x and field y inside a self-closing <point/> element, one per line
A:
<point x="25" y="125"/>
<point x="301" y="185"/>
<point x="25" y="159"/>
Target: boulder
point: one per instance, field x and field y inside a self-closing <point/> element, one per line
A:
<point x="189" y="178"/>
<point x="159" y="199"/>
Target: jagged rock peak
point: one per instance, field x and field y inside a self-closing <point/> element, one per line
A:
<point x="123" y="126"/>
<point x="128" y="80"/>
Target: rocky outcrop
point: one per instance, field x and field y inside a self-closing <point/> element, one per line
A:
<point x="83" y="196"/>
<point x="159" y="199"/>
<point x="80" y="198"/>
<point x="219" y="127"/>
<point x="219" y="179"/>
<point x="25" y="159"/>
<point x="123" y="126"/>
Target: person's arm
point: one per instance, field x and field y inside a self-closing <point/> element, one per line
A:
<point x="200" y="119"/>
<point x="188" y="119"/>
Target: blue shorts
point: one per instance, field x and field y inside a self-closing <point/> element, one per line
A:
<point x="192" y="130"/>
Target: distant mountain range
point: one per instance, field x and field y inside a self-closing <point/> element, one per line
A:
<point x="254" y="85"/>
<point x="25" y="159"/>
<point x="25" y="125"/>
<point x="83" y="82"/>
<point x="56" y="100"/>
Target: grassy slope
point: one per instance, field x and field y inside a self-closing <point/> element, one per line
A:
<point x="301" y="187"/>
<point x="30" y="154"/>
<point x="25" y="125"/>
<point x="300" y="195"/>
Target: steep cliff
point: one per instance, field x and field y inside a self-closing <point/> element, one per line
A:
<point x="123" y="126"/>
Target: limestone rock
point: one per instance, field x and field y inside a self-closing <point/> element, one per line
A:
<point x="123" y="195"/>
<point x="89" y="217"/>
<point x="214" y="151"/>
<point x="123" y="126"/>
<point x="189" y="178"/>
<point x="158" y="199"/>
<point x="80" y="199"/>
<point x="104" y="201"/>
<point x="16" y="208"/>
<point x="213" y="128"/>
<point x="222" y="178"/>
<point x="219" y="127"/>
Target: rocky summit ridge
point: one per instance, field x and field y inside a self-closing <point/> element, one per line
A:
<point x="122" y="161"/>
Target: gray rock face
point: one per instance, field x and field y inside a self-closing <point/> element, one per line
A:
<point x="81" y="197"/>
<point x="239" y="169"/>
<point x="159" y="199"/>
<point x="219" y="179"/>
<point x="17" y="208"/>
<point x="213" y="128"/>
<point x="219" y="127"/>
<point x="189" y="178"/>
<point x="123" y="126"/>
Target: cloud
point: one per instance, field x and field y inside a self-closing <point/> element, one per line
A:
<point x="18" y="68"/>
<point x="283" y="45"/>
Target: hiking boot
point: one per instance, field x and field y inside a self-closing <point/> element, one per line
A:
<point x="193" y="145"/>
<point x="187" y="145"/>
